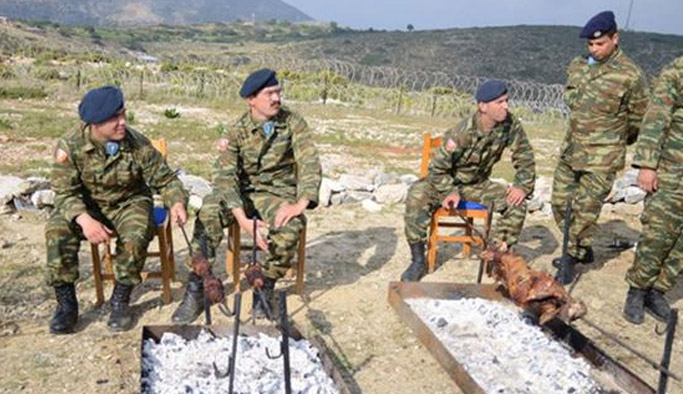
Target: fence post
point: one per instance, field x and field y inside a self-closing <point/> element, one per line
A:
<point x="325" y="87"/>
<point x="434" y="98"/>
<point x="78" y="79"/>
<point x="400" y="100"/>
<point x="142" y="81"/>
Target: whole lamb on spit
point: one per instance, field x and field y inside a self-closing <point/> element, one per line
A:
<point x="535" y="291"/>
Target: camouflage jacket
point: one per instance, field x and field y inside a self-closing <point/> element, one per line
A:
<point x="607" y="102"/>
<point x="83" y="177"/>
<point x="284" y="164"/>
<point x="467" y="155"/>
<point x="661" y="135"/>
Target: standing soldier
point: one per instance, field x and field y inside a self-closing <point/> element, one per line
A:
<point x="103" y="177"/>
<point x="268" y="169"/>
<point x="461" y="167"/>
<point x="607" y="95"/>
<point x="659" y="155"/>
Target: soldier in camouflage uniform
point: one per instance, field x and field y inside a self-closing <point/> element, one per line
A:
<point x="607" y="95"/>
<point x="460" y="170"/>
<point x="103" y="177"/>
<point x="659" y="156"/>
<point x="268" y="169"/>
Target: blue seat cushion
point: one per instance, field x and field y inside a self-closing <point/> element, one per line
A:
<point x="159" y="216"/>
<point x="471" y="205"/>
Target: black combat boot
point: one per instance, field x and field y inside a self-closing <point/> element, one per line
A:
<point x="565" y="273"/>
<point x="268" y="293"/>
<point x="416" y="269"/>
<point x="634" y="307"/>
<point x="656" y="305"/>
<point x="193" y="301"/>
<point x="121" y="318"/>
<point x="66" y="315"/>
<point x="588" y="258"/>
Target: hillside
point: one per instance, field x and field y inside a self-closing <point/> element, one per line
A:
<point x="147" y="12"/>
<point x="525" y="53"/>
<point x="537" y="53"/>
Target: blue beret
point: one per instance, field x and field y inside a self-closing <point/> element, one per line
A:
<point x="490" y="90"/>
<point x="258" y="80"/>
<point x="100" y="104"/>
<point x="599" y="25"/>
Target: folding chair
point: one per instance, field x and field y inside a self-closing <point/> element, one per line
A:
<point x="466" y="209"/>
<point x="165" y="239"/>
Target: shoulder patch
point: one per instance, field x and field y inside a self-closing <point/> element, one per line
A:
<point x="222" y="144"/>
<point x="61" y="156"/>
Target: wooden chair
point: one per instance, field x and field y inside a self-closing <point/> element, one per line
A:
<point x="166" y="254"/>
<point x="451" y="219"/>
<point x="232" y="257"/>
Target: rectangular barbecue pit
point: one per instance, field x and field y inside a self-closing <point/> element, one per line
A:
<point x="184" y="359"/>
<point x="478" y="337"/>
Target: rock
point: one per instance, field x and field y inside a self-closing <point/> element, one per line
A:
<point x="195" y="185"/>
<point x="633" y="195"/>
<point x="33" y="184"/>
<point x="9" y="187"/>
<point x="382" y="179"/>
<point x="356" y="196"/>
<point x="43" y="198"/>
<point x="195" y="202"/>
<point x="409" y="179"/>
<point x="327" y="187"/>
<point x="630" y="177"/>
<point x="6" y="209"/>
<point x="371" y="206"/>
<point x="353" y="182"/>
<point x="391" y="194"/>
<point x="337" y="198"/>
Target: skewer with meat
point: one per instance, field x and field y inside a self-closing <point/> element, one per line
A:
<point x="533" y="290"/>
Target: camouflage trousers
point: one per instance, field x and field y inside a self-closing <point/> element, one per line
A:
<point x="214" y="216"/>
<point x="587" y="196"/>
<point x="423" y="200"/>
<point x="659" y="256"/>
<point x="133" y="223"/>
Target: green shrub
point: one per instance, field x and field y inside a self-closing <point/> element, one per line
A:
<point x="171" y="113"/>
<point x="21" y="92"/>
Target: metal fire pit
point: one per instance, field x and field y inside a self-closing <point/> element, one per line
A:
<point x="190" y="332"/>
<point x="618" y="374"/>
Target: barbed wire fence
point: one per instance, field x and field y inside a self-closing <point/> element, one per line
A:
<point x="319" y="81"/>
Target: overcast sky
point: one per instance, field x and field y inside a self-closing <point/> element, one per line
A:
<point x="661" y="16"/>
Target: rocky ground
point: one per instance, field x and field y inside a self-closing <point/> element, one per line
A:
<point x="353" y="252"/>
<point x="352" y="255"/>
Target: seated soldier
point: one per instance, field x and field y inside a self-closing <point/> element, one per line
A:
<point x="268" y="169"/>
<point x="103" y="177"/>
<point x="460" y="170"/>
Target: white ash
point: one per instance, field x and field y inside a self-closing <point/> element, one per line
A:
<point x="501" y="352"/>
<point x="177" y="365"/>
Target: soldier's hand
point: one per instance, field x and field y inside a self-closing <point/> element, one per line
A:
<point x="647" y="180"/>
<point x="178" y="213"/>
<point x="515" y="196"/>
<point x="287" y="212"/>
<point x="94" y="231"/>
<point x="261" y="226"/>
<point x="451" y="201"/>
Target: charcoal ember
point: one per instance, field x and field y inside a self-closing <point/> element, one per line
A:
<point x="500" y="351"/>
<point x="178" y="366"/>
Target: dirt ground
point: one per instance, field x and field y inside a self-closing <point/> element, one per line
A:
<point x="352" y="255"/>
